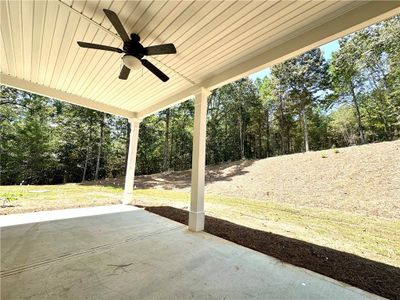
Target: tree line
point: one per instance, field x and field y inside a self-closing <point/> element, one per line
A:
<point x="305" y="103"/>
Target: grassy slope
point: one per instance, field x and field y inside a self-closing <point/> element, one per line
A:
<point x="375" y="238"/>
<point x="355" y="224"/>
<point x="371" y="237"/>
<point x="362" y="179"/>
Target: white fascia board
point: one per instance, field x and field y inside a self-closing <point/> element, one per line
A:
<point x="35" y="88"/>
<point x="360" y="17"/>
<point x="170" y="101"/>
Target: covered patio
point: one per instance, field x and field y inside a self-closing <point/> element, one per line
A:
<point x="217" y="42"/>
<point x="123" y="252"/>
<point x="131" y="253"/>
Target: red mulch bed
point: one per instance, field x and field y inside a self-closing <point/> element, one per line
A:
<point x="371" y="276"/>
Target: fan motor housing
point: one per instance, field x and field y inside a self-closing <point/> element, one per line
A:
<point x="133" y="47"/>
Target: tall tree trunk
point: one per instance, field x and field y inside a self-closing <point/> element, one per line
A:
<point x="267" y="132"/>
<point x="226" y="139"/>
<point x="166" y="141"/>
<point x="96" y="176"/>
<point x="171" y="157"/>
<point x="259" y="151"/>
<point x="128" y="137"/>
<point x="305" y="126"/>
<point x="358" y="114"/>
<point x="87" y="152"/>
<point x="382" y="113"/>
<point x="241" y="137"/>
<point x="383" y="105"/>
<point x="282" y="125"/>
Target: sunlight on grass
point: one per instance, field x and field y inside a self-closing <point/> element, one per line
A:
<point x="371" y="237"/>
<point x="49" y="197"/>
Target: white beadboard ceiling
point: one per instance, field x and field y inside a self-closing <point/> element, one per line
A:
<point x="216" y="41"/>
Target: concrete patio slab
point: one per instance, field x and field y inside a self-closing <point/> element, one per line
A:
<point x="132" y="254"/>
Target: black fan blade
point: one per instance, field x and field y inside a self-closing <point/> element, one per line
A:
<point x="112" y="16"/>
<point x="160" y="49"/>
<point x="100" y="47"/>
<point x="152" y="68"/>
<point x="124" y="73"/>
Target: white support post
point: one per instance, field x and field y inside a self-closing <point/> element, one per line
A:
<point x="130" y="168"/>
<point x="196" y="214"/>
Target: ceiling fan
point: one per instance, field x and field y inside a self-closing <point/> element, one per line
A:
<point x="133" y="49"/>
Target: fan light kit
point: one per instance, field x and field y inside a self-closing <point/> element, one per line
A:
<point x="133" y="49"/>
<point x="132" y="62"/>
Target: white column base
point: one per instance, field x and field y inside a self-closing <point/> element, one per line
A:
<point x="196" y="221"/>
<point x="127" y="199"/>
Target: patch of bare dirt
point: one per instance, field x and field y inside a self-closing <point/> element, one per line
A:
<point x="363" y="179"/>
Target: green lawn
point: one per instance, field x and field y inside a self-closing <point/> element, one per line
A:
<point x="50" y="197"/>
<point x="371" y="237"/>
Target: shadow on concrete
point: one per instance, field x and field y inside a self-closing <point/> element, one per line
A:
<point x="371" y="276"/>
<point x="179" y="179"/>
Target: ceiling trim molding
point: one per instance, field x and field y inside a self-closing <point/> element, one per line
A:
<point x="63" y="96"/>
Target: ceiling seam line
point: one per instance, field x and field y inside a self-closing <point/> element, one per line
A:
<point x="151" y="32"/>
<point x="260" y="35"/>
<point x="60" y="47"/>
<point x="220" y="54"/>
<point x="182" y="25"/>
<point x="68" y="75"/>
<point x="37" y="70"/>
<point x="101" y="59"/>
<point x="88" y="19"/>
<point x="11" y="38"/>
<point x="21" y="35"/>
<point x="51" y="46"/>
<point x="137" y="20"/>
<point x="33" y="23"/>
<point x="87" y="50"/>
<point x="67" y="55"/>
<point x="5" y="52"/>
<point x="216" y="35"/>
<point x="176" y="72"/>
<point x="150" y="20"/>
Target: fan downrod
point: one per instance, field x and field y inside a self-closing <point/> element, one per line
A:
<point x="135" y="37"/>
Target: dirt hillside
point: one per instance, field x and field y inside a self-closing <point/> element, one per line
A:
<point x="364" y="179"/>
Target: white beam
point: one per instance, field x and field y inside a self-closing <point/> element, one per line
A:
<point x="131" y="165"/>
<point x="169" y="101"/>
<point x="63" y="96"/>
<point x="367" y="13"/>
<point x="196" y="213"/>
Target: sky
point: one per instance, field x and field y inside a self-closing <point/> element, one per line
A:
<point x="326" y="49"/>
